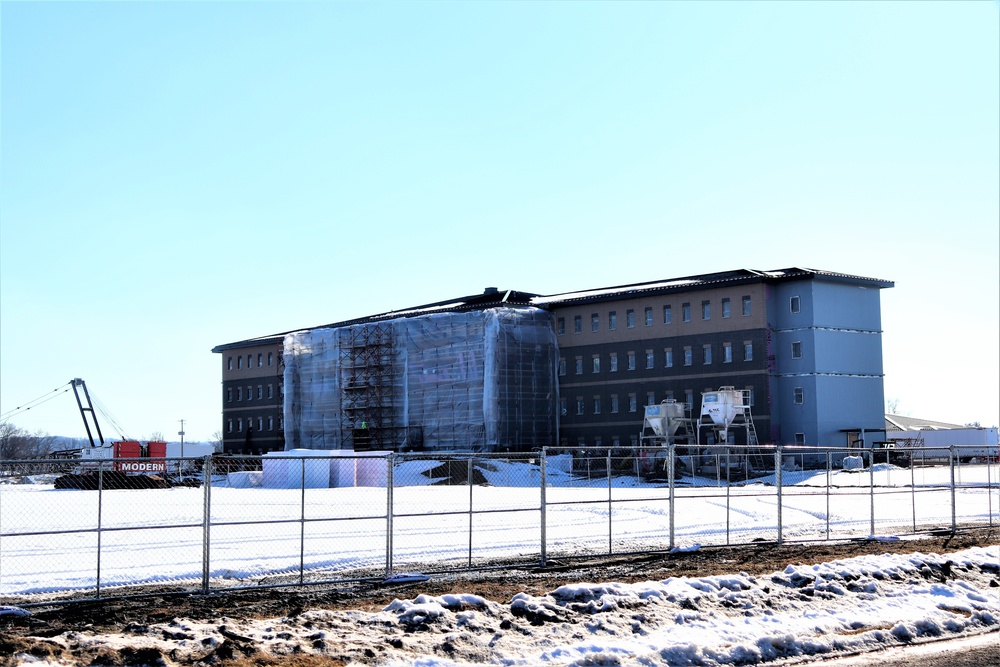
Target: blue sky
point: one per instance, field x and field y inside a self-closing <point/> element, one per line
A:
<point x="179" y="175"/>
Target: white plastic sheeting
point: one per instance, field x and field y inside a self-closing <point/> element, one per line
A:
<point x="466" y="381"/>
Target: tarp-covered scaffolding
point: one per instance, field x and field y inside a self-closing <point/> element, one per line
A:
<point x="482" y="380"/>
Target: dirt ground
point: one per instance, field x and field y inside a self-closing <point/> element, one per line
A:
<point x="20" y="635"/>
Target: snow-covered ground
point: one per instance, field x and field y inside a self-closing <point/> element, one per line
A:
<point x="50" y="542"/>
<point x="831" y="609"/>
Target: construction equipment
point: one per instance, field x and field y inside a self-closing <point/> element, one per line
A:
<point x="664" y="424"/>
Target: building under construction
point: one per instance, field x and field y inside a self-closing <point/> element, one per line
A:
<point x="506" y="370"/>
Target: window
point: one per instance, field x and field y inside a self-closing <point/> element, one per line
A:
<point x="562" y="407"/>
<point x="260" y="392"/>
<point x="561" y="326"/>
<point x="578" y="366"/>
<point x="239" y="425"/>
<point x="239" y="362"/>
<point x="614" y="362"/>
<point x="239" y="393"/>
<point x="688" y="358"/>
<point x="595" y="322"/>
<point x="229" y="395"/>
<point x="749" y="390"/>
<point x="260" y="423"/>
<point x="579" y="405"/>
<point x="631" y="403"/>
<point x="686" y="312"/>
<point x="798" y="396"/>
<point x="707" y="353"/>
<point x="614" y="403"/>
<point x="616" y="441"/>
<point x="612" y="320"/>
<point x="229" y="364"/>
<point x="630" y="318"/>
<point x="270" y="358"/>
<point x="270" y="391"/>
<point x="648" y="315"/>
<point x="747" y="351"/>
<point x="668" y="315"/>
<point x="581" y="441"/>
<point x="746" y="306"/>
<point x="578" y="324"/>
<point x="689" y="397"/>
<point x="631" y="361"/>
<point x="596" y="362"/>
<point x="281" y="423"/>
<point x="793" y="304"/>
<point x="726" y="308"/>
<point x="650" y="359"/>
<point x="650" y="398"/>
<point x="668" y="357"/>
<point x="270" y="423"/>
<point x="281" y="390"/>
<point x="727" y="353"/>
<point x="598" y="441"/>
<point x="260" y="360"/>
<point x="249" y="393"/>
<point x="249" y="365"/>
<point x="796" y="349"/>
<point x="229" y="426"/>
<point x="633" y="441"/>
<point x="706" y="310"/>
<point x="597" y="405"/>
<point x="562" y="365"/>
<point x="800" y="438"/>
<point x="669" y="395"/>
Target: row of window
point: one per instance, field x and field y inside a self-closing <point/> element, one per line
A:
<point x="632" y="401"/>
<point x="260" y="361"/>
<point x="650" y="358"/>
<point x="648" y="316"/>
<point x="250" y="392"/>
<point x="616" y="441"/>
<point x="237" y="424"/>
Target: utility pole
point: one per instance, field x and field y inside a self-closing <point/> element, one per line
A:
<point x="181" y="433"/>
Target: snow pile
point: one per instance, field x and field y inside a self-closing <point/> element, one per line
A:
<point x="826" y="610"/>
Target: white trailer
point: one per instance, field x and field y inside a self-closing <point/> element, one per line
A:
<point x="969" y="443"/>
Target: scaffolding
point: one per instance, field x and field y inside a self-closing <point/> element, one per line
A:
<point x="459" y="381"/>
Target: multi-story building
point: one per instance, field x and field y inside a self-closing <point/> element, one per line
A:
<point x="805" y="345"/>
<point x="252" y="395"/>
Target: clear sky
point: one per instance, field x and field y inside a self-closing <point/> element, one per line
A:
<point x="180" y="175"/>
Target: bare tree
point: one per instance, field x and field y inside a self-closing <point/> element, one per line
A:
<point x="217" y="442"/>
<point x="157" y="436"/>
<point x="892" y="406"/>
<point x="16" y="443"/>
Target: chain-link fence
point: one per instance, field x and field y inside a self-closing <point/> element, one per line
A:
<point x="203" y="525"/>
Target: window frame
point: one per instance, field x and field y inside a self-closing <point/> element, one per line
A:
<point x="612" y="320"/>
<point x="630" y="318"/>
<point x="747" y="306"/>
<point x="798" y="396"/>
<point x="727" y="308"/>
<point x="685" y="312"/>
<point x="796" y="349"/>
<point x="647" y="316"/>
<point x="795" y="304"/>
<point x="595" y="323"/>
<point x="706" y="310"/>
<point x="668" y="314"/>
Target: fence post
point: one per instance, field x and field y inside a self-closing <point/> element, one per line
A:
<point x="469" y="475"/>
<point x="871" y="493"/>
<point x="778" y="482"/>
<point x="302" y="524"/>
<point x="206" y="522"/>
<point x="989" y="490"/>
<point x="951" y="465"/>
<point x="913" y="490"/>
<point x="610" y="509"/>
<point x="542" y="483"/>
<point x="829" y="467"/>
<point x="671" y="459"/>
<point x="729" y="483"/>
<point x="389" y="484"/>
<point x="100" y="513"/>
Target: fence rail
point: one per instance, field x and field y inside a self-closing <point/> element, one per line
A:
<point x="208" y="525"/>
